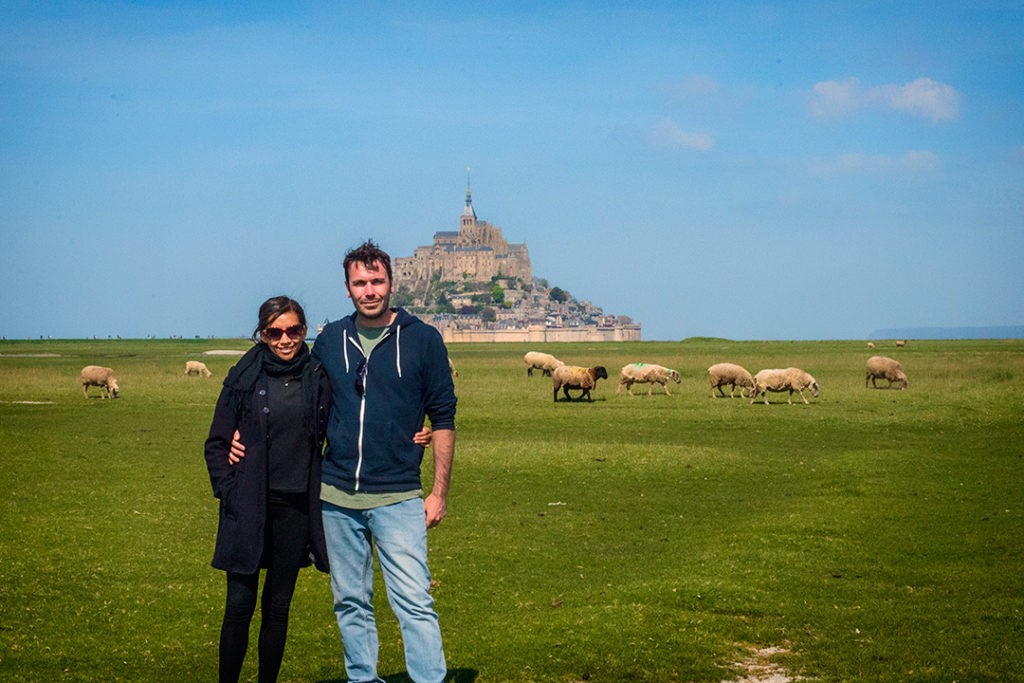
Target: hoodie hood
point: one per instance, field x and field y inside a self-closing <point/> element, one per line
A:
<point x="353" y="352"/>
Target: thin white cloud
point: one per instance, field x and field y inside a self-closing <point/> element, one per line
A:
<point x="666" y="133"/>
<point x="922" y="97"/>
<point x="834" y="98"/>
<point x="857" y="162"/>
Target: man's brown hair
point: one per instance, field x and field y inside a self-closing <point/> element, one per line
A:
<point x="368" y="253"/>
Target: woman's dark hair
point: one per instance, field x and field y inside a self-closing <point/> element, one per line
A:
<point x="368" y="253"/>
<point x="273" y="308"/>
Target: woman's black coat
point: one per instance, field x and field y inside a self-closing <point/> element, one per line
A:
<point x="243" y="487"/>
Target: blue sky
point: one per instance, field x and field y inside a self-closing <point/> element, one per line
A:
<point x="785" y="170"/>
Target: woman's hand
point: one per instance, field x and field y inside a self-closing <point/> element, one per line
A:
<point x="420" y="438"/>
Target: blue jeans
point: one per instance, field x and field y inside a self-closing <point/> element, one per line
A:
<point x="399" y="533"/>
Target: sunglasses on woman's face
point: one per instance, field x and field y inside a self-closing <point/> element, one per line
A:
<point x="293" y="332"/>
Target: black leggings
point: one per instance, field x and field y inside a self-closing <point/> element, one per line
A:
<point x="284" y="549"/>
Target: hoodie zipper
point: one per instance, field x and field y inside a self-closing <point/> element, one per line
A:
<point x="362" y="408"/>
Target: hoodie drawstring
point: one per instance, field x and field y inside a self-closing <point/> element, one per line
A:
<point x="398" y="350"/>
<point x="344" y="346"/>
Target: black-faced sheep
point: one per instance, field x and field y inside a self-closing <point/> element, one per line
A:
<point x="789" y="379"/>
<point x="541" y="361"/>
<point x="566" y="377"/>
<point x="880" y="367"/>
<point x="734" y="375"/>
<point x="196" y="367"/>
<point x="646" y="373"/>
<point x="96" y="376"/>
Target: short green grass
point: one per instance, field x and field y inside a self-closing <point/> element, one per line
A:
<point x="873" y="535"/>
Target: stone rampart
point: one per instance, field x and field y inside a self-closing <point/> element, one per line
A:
<point x="536" y="334"/>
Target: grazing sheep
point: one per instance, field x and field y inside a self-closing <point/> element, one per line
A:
<point x="880" y="367"/>
<point x="451" y="367"/>
<point x="541" y="361"/>
<point x="789" y="379"/>
<point x="196" y="367"/>
<point x="566" y="377"/>
<point x="871" y="345"/>
<point x="900" y="343"/>
<point x="96" y="376"/>
<point x="646" y="373"/>
<point x="734" y="375"/>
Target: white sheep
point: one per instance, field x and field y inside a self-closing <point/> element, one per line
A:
<point x="734" y="375"/>
<point x="880" y="367"/>
<point x="871" y="345"/>
<point x="900" y="343"/>
<point x="566" y="377"/>
<point x="789" y="379"/>
<point x="541" y="361"/>
<point x="96" y="376"/>
<point x="196" y="367"/>
<point x="646" y="373"/>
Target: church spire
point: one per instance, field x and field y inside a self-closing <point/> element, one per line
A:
<point x="468" y="214"/>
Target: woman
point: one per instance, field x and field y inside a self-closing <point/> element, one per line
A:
<point x="278" y="401"/>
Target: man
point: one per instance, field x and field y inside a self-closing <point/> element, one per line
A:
<point x="387" y="371"/>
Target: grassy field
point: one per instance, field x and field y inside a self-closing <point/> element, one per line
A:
<point x="873" y="535"/>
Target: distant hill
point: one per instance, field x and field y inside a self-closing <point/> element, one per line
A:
<point x="994" y="332"/>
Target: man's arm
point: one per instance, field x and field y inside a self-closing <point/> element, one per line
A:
<point x="436" y="503"/>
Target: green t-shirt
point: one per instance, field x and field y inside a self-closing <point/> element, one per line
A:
<point x="361" y="500"/>
<point x="369" y="337"/>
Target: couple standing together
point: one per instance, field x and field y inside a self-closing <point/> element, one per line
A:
<point x="365" y="389"/>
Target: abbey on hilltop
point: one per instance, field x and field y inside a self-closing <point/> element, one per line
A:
<point x="474" y="285"/>
<point x="477" y="251"/>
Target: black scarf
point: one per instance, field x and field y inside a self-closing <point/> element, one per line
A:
<point x="260" y="359"/>
<point x="298" y="367"/>
<point x="275" y="366"/>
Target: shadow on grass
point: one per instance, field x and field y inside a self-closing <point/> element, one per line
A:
<point x="454" y="676"/>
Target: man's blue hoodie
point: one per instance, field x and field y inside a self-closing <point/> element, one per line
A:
<point x="369" y="436"/>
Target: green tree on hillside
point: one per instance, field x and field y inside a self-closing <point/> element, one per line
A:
<point x="402" y="297"/>
<point x="497" y="294"/>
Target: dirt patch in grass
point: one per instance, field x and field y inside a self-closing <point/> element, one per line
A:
<point x="759" y="667"/>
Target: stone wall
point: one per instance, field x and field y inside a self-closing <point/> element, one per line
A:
<point x="536" y="334"/>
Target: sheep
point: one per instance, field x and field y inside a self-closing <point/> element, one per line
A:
<point x="196" y="367"/>
<point x="566" y="377"/>
<point x="880" y="367"/>
<point x="900" y="343"/>
<point x="451" y="368"/>
<point x="790" y="379"/>
<point x="96" y="376"/>
<point x="541" y="361"/>
<point x="871" y="345"/>
<point x="646" y="373"/>
<point x="734" y="375"/>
